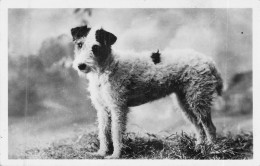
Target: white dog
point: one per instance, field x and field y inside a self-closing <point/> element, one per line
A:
<point x="119" y="80"/>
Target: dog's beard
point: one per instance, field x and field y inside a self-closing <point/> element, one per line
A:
<point x="82" y="74"/>
<point x="87" y="70"/>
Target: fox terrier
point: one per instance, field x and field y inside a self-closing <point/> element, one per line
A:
<point x="122" y="79"/>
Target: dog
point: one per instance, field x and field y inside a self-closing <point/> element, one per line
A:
<point x="119" y="80"/>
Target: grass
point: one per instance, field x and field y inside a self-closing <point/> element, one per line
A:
<point x="150" y="146"/>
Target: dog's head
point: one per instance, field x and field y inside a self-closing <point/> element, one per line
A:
<point x="92" y="47"/>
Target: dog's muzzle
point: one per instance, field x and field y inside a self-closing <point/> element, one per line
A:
<point x="84" y="68"/>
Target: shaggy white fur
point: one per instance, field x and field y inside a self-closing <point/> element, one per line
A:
<point x="120" y="79"/>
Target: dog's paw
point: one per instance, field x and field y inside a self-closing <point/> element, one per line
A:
<point x="199" y="142"/>
<point x="97" y="154"/>
<point x="211" y="141"/>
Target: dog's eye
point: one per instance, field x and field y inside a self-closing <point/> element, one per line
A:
<point x="80" y="45"/>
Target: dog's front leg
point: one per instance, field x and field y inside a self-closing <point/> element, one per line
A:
<point x="118" y="118"/>
<point x="104" y="128"/>
<point x="104" y="123"/>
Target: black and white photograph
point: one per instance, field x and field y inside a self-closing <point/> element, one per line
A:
<point x="104" y="83"/>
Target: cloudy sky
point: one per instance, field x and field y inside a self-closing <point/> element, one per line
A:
<point x="224" y="34"/>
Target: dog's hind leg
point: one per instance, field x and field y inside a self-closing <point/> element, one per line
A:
<point x="201" y="102"/>
<point x="198" y="103"/>
<point x="118" y="127"/>
<point x="188" y="113"/>
<point x="209" y="127"/>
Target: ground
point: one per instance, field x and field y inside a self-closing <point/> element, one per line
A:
<point x="235" y="140"/>
<point x="150" y="146"/>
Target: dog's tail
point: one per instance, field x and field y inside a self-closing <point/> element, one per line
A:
<point x="219" y="87"/>
<point x="219" y="81"/>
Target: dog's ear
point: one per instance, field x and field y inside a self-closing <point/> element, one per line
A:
<point x="105" y="38"/>
<point x="79" y="32"/>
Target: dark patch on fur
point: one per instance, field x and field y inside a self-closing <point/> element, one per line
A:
<point x="105" y="38"/>
<point x="101" y="51"/>
<point x="79" y="32"/>
<point x="156" y="57"/>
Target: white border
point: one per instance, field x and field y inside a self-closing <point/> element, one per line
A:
<point x="129" y="3"/>
<point x="5" y="4"/>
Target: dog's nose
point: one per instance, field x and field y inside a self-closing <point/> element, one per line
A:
<point x="82" y="66"/>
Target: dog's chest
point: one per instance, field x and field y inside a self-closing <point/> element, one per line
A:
<point x="99" y="88"/>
